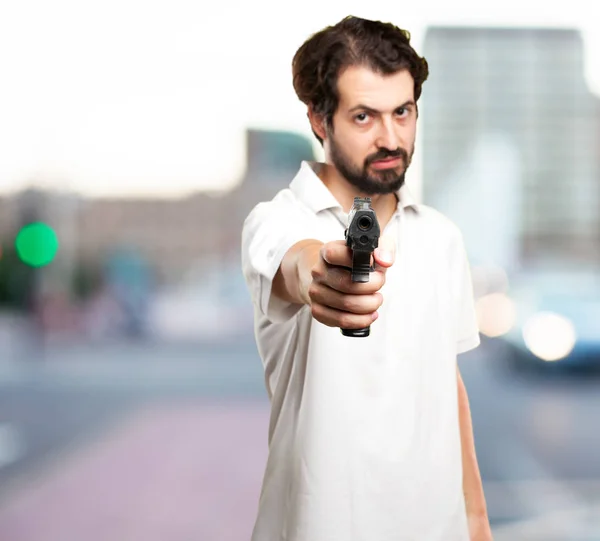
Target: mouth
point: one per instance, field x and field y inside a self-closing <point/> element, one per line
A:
<point x="387" y="163"/>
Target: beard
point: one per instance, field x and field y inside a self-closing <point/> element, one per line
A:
<point x="371" y="181"/>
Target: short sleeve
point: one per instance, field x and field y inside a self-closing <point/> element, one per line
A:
<point x="269" y="231"/>
<point x="468" y="330"/>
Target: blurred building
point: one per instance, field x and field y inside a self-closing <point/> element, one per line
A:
<point x="203" y="228"/>
<point x="511" y="134"/>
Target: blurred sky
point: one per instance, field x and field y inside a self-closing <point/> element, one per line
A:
<point x="152" y="97"/>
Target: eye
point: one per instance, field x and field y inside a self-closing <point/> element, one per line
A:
<point x="361" y="118"/>
<point x="402" y="111"/>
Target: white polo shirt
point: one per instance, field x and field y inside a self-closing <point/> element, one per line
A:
<point x="364" y="440"/>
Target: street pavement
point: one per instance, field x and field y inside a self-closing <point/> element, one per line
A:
<point x="155" y="441"/>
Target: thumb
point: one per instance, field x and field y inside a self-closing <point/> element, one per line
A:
<point x="385" y="253"/>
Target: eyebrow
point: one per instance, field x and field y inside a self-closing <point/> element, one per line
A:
<point x="375" y="111"/>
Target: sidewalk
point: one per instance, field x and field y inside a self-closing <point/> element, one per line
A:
<point x="187" y="471"/>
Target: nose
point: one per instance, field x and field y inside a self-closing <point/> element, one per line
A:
<point x="387" y="136"/>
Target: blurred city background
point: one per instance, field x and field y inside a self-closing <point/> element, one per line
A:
<point x="135" y="140"/>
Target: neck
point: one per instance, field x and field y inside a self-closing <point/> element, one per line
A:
<point x="384" y="205"/>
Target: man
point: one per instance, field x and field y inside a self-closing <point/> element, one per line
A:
<point x="370" y="438"/>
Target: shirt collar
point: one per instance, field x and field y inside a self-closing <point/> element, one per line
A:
<point x="309" y="189"/>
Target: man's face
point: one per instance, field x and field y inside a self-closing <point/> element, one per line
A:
<point x="371" y="142"/>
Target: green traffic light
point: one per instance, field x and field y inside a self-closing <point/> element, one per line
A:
<point x="36" y="244"/>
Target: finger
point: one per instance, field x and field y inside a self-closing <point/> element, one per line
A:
<point x="355" y="304"/>
<point x="344" y="320"/>
<point x="336" y="253"/>
<point x="385" y="253"/>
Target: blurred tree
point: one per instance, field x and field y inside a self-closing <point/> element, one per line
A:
<point x="15" y="280"/>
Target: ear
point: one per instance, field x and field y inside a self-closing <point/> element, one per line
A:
<point x="317" y="123"/>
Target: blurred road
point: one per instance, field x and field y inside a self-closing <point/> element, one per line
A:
<point x="168" y="442"/>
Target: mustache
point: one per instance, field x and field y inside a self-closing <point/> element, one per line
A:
<point x="384" y="153"/>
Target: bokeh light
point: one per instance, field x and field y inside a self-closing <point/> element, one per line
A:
<point x="549" y="336"/>
<point x="36" y="244"/>
<point x="496" y="314"/>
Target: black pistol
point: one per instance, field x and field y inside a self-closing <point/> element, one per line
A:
<point x="362" y="237"/>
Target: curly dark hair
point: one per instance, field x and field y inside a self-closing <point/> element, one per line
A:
<point x="353" y="41"/>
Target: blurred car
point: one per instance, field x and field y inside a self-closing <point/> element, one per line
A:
<point x="556" y="320"/>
